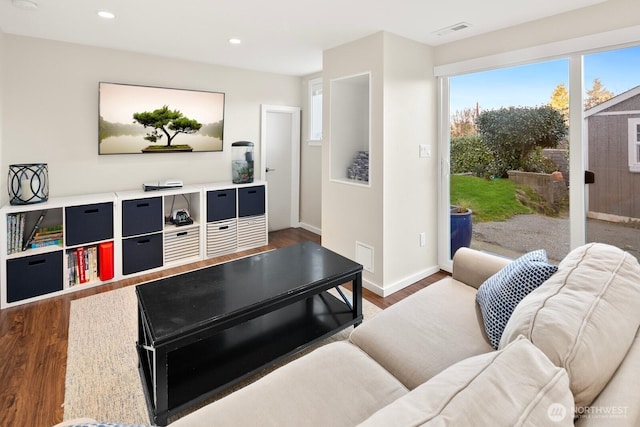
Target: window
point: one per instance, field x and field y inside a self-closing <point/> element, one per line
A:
<point x="634" y="145"/>
<point x="315" y="111"/>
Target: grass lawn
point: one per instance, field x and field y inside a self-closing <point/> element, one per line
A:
<point x="489" y="200"/>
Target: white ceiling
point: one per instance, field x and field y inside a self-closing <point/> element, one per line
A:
<point x="280" y="36"/>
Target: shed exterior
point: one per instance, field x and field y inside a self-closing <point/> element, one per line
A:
<point x="613" y="132"/>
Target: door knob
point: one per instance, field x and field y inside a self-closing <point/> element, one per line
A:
<point x="269" y="170"/>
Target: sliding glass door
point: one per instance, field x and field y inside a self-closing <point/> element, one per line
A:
<point x="598" y="98"/>
<point x="612" y="133"/>
<point x="508" y="157"/>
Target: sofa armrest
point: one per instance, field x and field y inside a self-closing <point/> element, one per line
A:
<point x="473" y="267"/>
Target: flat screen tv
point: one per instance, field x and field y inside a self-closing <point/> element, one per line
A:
<point x="145" y="120"/>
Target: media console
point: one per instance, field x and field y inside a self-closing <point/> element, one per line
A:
<point x="70" y="243"/>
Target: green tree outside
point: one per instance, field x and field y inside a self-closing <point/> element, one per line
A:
<point x="463" y="122"/>
<point x="560" y="101"/>
<point x="470" y="155"/>
<point x="513" y="134"/>
<point x="597" y="94"/>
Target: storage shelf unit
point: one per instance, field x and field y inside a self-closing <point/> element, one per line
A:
<point x="150" y="240"/>
<point x="129" y="232"/>
<point x="79" y="228"/>
<point x="236" y="218"/>
<point x="222" y="222"/>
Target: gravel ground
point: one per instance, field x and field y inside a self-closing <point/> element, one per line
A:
<point x="524" y="233"/>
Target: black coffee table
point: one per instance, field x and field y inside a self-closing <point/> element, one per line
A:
<point x="203" y="331"/>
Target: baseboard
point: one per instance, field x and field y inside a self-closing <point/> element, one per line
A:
<point x="401" y="284"/>
<point x="310" y="228"/>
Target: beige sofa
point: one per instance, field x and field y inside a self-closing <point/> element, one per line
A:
<point x="570" y="354"/>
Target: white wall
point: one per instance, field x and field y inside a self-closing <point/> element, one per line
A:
<point x="310" y="168"/>
<point x="50" y="114"/>
<point x="353" y="213"/>
<point x="399" y="203"/>
<point x="410" y="182"/>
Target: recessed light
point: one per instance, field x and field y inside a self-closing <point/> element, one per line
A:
<point x="235" y="40"/>
<point x="106" y="14"/>
<point x="25" y="4"/>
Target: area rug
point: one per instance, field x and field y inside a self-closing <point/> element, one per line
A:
<point x="102" y="380"/>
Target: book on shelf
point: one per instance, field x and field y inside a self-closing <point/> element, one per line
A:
<point x="47" y="237"/>
<point x="38" y="237"/>
<point x="84" y="265"/>
<point x="49" y="230"/>
<point x="34" y="231"/>
<point x="94" y="263"/>
<point x="72" y="260"/>
<point x="81" y="265"/>
<point x="43" y="244"/>
<point x="15" y="232"/>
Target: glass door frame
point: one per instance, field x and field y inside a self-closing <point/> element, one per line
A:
<point x="577" y="154"/>
<point x="444" y="163"/>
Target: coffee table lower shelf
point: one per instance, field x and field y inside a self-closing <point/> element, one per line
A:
<point x="199" y="370"/>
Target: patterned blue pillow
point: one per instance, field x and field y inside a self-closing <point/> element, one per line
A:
<point x="499" y="295"/>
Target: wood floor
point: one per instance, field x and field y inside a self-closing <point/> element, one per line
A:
<point x="33" y="341"/>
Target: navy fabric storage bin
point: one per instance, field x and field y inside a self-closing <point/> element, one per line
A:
<point x="221" y="204"/>
<point x="142" y="216"/>
<point x="34" y="275"/>
<point x="88" y="223"/>
<point x="251" y="201"/>
<point x="141" y="253"/>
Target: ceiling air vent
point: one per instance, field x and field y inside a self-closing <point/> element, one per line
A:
<point x="452" y="28"/>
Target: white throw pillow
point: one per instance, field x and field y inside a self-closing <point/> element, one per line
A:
<point x="585" y="317"/>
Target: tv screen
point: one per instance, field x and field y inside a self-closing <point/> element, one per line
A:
<point x="144" y="120"/>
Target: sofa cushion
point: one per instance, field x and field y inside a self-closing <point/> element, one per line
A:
<point x="515" y="386"/>
<point x="585" y="317"/>
<point x="500" y="293"/>
<point x="619" y="398"/>
<point x="334" y="385"/>
<point x="420" y="336"/>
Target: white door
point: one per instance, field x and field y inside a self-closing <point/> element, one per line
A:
<point x="280" y="162"/>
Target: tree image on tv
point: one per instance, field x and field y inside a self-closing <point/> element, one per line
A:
<point x="169" y="123"/>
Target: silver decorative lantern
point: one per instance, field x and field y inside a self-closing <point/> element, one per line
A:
<point x="28" y="183"/>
